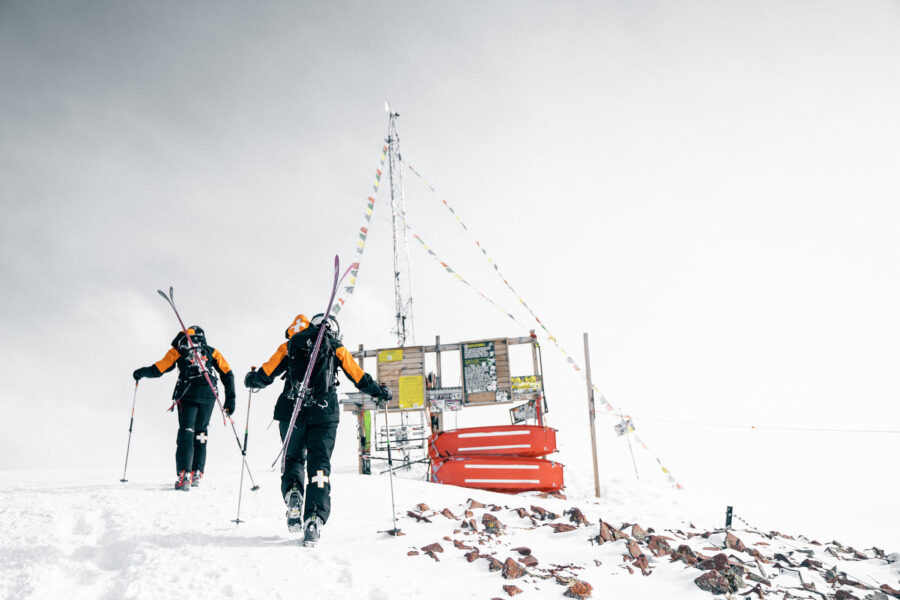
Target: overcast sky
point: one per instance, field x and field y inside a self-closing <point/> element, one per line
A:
<point x="709" y="189"/>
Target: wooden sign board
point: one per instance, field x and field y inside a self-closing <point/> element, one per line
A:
<point x="403" y="370"/>
<point x="485" y="371"/>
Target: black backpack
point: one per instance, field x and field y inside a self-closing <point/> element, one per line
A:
<point x="323" y="378"/>
<point x="189" y="370"/>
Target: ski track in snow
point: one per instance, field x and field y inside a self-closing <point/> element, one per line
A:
<point x="84" y="535"/>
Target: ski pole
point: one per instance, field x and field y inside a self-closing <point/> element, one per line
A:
<point x="237" y="520"/>
<point x="130" y="427"/>
<point x="393" y="531"/>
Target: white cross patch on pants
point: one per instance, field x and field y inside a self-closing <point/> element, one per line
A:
<point x="320" y="479"/>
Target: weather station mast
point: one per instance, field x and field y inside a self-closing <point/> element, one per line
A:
<point x="403" y="326"/>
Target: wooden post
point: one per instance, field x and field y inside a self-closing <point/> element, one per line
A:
<point x="539" y="403"/>
<point x="438" y="382"/>
<point x="437" y="357"/>
<point x="590" y="390"/>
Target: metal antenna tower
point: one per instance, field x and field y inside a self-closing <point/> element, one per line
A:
<point x="402" y="284"/>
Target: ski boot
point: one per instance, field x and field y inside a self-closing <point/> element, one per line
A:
<point x="184" y="481"/>
<point x="196" y="476"/>
<point x="294" y="500"/>
<point x="312" y="528"/>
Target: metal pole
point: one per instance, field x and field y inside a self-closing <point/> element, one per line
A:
<point x="387" y="427"/>
<point x="255" y="487"/>
<point x="590" y="390"/>
<point x="130" y="426"/>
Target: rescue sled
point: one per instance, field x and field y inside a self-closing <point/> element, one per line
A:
<point x="500" y="474"/>
<point x="497" y="440"/>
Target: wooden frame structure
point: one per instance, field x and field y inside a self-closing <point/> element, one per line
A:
<point x="486" y="381"/>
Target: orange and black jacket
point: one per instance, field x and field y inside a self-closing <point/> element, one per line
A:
<point x="325" y="409"/>
<point x="192" y="385"/>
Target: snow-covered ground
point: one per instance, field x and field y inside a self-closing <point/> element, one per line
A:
<point x="82" y="534"/>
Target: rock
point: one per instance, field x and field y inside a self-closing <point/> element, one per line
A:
<point x="733" y="543"/>
<point x="493" y="563"/>
<point x="842" y="595"/>
<point x="757" y="579"/>
<point x="419" y="518"/>
<point x="447" y="538"/>
<point x="638" y="533"/>
<point x="529" y="561"/>
<point x="758" y="591"/>
<point x="643" y="563"/>
<point x="461" y="545"/>
<point x="511" y="590"/>
<point x="472" y="556"/>
<point x="889" y="590"/>
<point x="474" y="504"/>
<point x="577" y="517"/>
<point x="685" y="555"/>
<point x="412" y="553"/>
<point x="659" y="546"/>
<point x="491" y="523"/>
<point x="542" y="513"/>
<point x="469" y="514"/>
<point x="561" y="527"/>
<point x="811" y="564"/>
<point x="435" y="547"/>
<point x="522" y="550"/>
<point x="616" y="534"/>
<point x="422" y="507"/>
<point x="634" y="549"/>
<point x="446" y="512"/>
<point x="523" y="514"/>
<point x="558" y="495"/>
<point x="512" y="569"/>
<point x="712" y="581"/>
<point x="580" y="589"/>
<point x="720" y="562"/>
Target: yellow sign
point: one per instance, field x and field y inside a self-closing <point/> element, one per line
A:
<point x="531" y="383"/>
<point x="390" y="355"/>
<point x="412" y="391"/>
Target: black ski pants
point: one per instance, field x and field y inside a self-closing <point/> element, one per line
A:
<point x="311" y="446"/>
<point x="190" y="446"/>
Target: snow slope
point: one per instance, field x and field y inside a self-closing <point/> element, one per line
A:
<point x="84" y="535"/>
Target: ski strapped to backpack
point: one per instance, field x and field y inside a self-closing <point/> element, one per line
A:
<point x="303" y="390"/>
<point x="323" y="378"/>
<point x="225" y="416"/>
<point x="196" y="352"/>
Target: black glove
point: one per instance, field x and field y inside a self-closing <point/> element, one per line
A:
<point x="145" y="372"/>
<point x="229" y="405"/>
<point x="384" y="397"/>
<point x="254" y="380"/>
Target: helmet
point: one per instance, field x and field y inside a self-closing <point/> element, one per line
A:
<point x="197" y="335"/>
<point x="329" y="322"/>
<point x="300" y="323"/>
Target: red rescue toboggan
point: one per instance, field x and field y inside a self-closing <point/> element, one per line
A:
<point x="503" y="458"/>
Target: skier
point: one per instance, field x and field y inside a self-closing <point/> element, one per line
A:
<point x="194" y="397"/>
<point x="313" y="437"/>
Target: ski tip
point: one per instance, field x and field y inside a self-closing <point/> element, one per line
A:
<point x="171" y="292"/>
<point x="254" y="488"/>
<point x="162" y="293"/>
